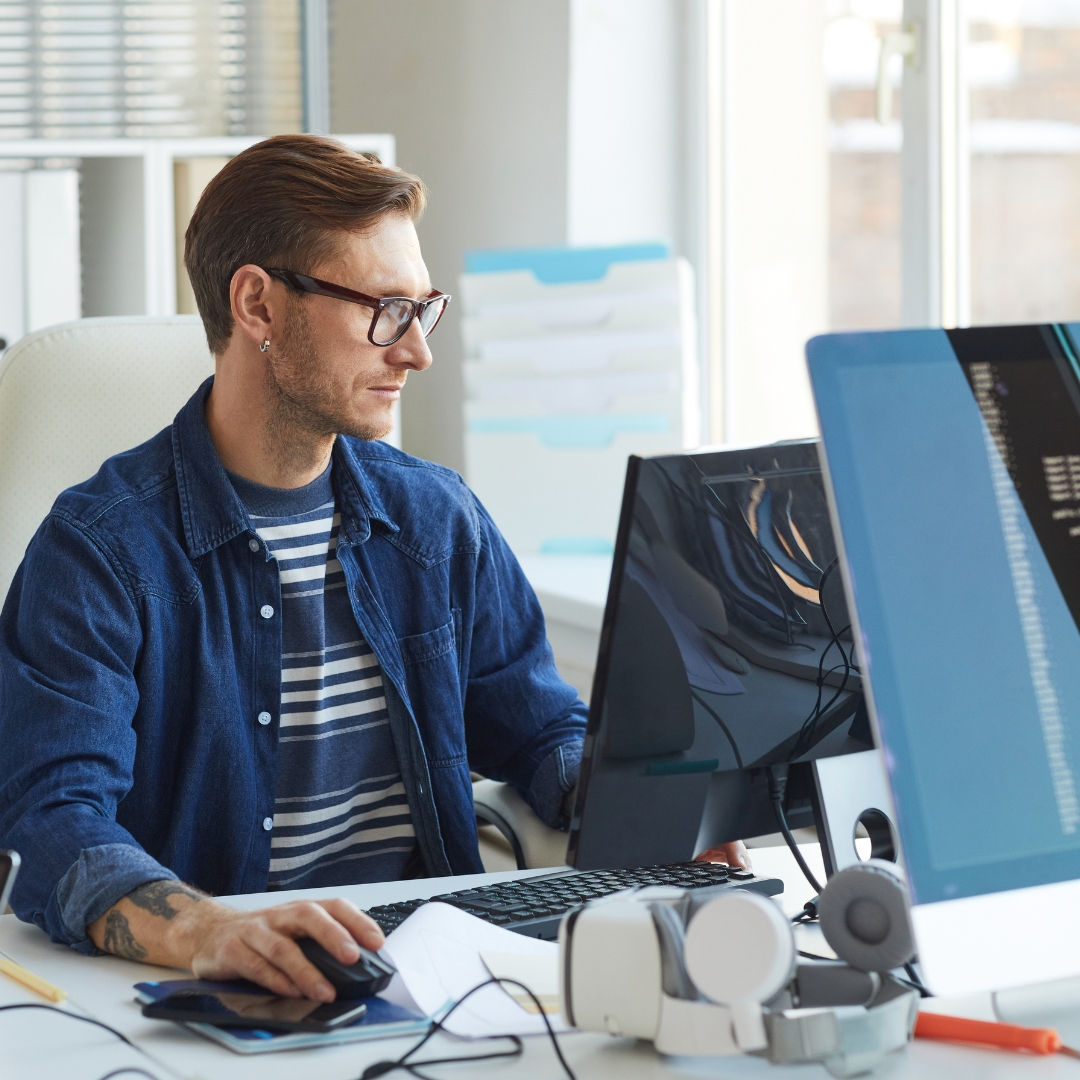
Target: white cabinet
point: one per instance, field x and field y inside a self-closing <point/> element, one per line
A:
<point x="40" y="273"/>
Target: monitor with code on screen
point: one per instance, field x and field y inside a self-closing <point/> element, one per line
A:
<point x="953" y="459"/>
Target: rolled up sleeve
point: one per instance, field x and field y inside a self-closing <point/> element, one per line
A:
<point x="100" y="877"/>
<point x="554" y="779"/>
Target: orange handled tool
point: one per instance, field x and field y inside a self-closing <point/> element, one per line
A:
<point x="1008" y="1036"/>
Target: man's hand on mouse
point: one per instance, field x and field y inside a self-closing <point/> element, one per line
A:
<point x="173" y="925"/>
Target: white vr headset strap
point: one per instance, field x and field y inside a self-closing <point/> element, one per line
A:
<point x="848" y="1039"/>
<point x="688" y="1023"/>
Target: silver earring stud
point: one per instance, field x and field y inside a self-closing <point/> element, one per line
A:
<point x="265" y="346"/>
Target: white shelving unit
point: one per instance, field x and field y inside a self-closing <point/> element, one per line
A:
<point x="575" y="358"/>
<point x="127" y="216"/>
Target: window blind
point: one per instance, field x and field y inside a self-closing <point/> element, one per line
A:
<point x="148" y="68"/>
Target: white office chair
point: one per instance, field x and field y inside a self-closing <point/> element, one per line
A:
<point x="532" y="843"/>
<point x="75" y="394"/>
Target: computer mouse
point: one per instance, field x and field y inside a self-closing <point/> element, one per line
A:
<point x="366" y="977"/>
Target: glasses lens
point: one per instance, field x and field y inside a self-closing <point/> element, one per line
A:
<point x="393" y="319"/>
<point x="432" y="314"/>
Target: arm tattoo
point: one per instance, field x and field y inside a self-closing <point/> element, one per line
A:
<point x="154" y="897"/>
<point x="119" y="940"/>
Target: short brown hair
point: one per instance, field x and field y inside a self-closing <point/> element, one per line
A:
<point x="285" y="202"/>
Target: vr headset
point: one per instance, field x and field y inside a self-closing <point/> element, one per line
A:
<point x="716" y="972"/>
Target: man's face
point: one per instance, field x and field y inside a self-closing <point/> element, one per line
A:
<point x="326" y="377"/>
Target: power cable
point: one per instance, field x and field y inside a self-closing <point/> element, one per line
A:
<point x="381" y="1068"/>
<point x="131" y="1070"/>
<point x="777" y="788"/>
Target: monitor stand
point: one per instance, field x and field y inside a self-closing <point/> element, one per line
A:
<point x="850" y="789"/>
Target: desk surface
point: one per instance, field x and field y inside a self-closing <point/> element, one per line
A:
<point x="37" y="1046"/>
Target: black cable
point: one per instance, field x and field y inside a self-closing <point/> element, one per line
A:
<point x="828" y="621"/>
<point x="130" y="1069"/>
<point x="809" y="912"/>
<point x="809" y="725"/>
<point x="821" y="594"/>
<point x="723" y="727"/>
<point x="840" y="689"/>
<point x="381" y="1068"/>
<point x="73" y="1016"/>
<point x="777" y="787"/>
<point x="916" y="982"/>
<point x="807" y="729"/>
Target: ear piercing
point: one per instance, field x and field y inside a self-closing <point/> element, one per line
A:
<point x="265" y="346"/>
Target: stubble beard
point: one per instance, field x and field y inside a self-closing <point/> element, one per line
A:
<point x="305" y="406"/>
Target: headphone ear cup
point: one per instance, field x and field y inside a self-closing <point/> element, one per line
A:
<point x="740" y="947"/>
<point x="864" y="916"/>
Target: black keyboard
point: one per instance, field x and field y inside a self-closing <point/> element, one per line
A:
<point x="535" y="906"/>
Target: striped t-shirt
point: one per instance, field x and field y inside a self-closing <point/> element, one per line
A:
<point x="340" y="811"/>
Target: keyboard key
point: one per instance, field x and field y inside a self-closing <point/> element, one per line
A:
<point x="531" y="901"/>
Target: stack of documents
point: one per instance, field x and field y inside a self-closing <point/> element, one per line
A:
<point x="575" y="359"/>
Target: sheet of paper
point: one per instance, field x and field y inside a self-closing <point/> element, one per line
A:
<point x="437" y="954"/>
<point x="539" y="972"/>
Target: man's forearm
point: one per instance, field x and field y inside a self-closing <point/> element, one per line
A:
<point x="142" y="925"/>
<point x="173" y="925"/>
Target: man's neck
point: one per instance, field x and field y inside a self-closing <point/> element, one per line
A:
<point x="256" y="441"/>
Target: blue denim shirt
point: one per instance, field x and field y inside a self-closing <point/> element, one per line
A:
<point x="141" y="638"/>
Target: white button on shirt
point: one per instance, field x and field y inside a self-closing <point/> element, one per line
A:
<point x="264" y="718"/>
<point x="254" y="544"/>
<point x="268" y="823"/>
<point x="266" y="611"/>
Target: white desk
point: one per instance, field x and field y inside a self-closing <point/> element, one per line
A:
<point x="36" y="1046"/>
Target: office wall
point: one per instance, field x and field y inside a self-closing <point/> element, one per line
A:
<point x="624" y="149"/>
<point x="563" y="121"/>
<point x="637" y="137"/>
<point x="475" y="91"/>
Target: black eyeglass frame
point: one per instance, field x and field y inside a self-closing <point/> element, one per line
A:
<point x="306" y="283"/>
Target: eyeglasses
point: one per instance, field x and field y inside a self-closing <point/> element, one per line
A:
<point x="393" y="314"/>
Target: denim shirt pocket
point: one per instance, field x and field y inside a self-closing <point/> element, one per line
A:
<point x="434" y="682"/>
<point x="421" y="648"/>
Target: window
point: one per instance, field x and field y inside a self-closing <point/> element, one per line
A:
<point x="1022" y="68"/>
<point x="962" y="207"/>
<point x="864" y="167"/>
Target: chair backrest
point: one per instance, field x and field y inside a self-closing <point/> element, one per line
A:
<point x="75" y="394"/>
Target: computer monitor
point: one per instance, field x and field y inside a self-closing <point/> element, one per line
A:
<point x="726" y="647"/>
<point x="954" y="460"/>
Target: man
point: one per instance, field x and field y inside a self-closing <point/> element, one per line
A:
<point x="263" y="650"/>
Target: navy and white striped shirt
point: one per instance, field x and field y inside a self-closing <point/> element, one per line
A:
<point x="340" y="810"/>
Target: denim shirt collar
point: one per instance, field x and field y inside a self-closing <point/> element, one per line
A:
<point x="213" y="513"/>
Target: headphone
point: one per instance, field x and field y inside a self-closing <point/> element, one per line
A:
<point x="864" y="916"/>
<point x="740" y="951"/>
